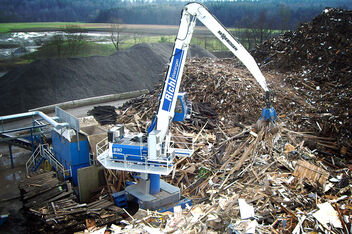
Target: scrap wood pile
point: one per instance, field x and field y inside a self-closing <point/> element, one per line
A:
<point x="224" y="95"/>
<point x="42" y="188"/>
<point x="316" y="59"/>
<point x="322" y="46"/>
<point x="258" y="180"/>
<point x="52" y="206"/>
<point x="244" y="174"/>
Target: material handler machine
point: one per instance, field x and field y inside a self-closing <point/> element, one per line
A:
<point x="152" y="154"/>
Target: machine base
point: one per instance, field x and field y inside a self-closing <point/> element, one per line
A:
<point x="168" y="195"/>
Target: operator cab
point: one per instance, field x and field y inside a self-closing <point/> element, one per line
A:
<point x="183" y="108"/>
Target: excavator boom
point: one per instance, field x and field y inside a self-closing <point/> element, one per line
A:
<point x="190" y="14"/>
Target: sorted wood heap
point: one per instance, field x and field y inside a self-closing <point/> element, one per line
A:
<point x="321" y="46"/>
<point x="54" y="204"/>
<point x="224" y="94"/>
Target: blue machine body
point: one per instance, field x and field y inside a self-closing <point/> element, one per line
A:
<point x="269" y="114"/>
<point x="69" y="155"/>
<point x="181" y="113"/>
<point x="154" y="183"/>
<point x="132" y="153"/>
<point x="129" y="152"/>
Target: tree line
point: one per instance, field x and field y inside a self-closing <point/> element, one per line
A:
<point x="273" y="14"/>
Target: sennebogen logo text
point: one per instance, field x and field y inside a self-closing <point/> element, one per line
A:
<point x="224" y="37"/>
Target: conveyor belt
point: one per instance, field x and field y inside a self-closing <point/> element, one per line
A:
<point x="17" y="141"/>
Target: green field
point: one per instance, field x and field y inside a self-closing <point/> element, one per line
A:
<point x="141" y="34"/>
<point x="8" y="27"/>
<point x="33" y="26"/>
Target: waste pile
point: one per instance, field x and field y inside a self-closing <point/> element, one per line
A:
<point x="322" y="45"/>
<point x="52" y="205"/>
<point x="222" y="90"/>
<point x="248" y="175"/>
<point x="316" y="58"/>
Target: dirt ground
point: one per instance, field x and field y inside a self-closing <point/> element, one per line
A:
<point x="45" y="82"/>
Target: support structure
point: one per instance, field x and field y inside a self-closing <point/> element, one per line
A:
<point x="11" y="156"/>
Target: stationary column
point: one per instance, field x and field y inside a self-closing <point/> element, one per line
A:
<point x="11" y="156"/>
<point x="154" y="183"/>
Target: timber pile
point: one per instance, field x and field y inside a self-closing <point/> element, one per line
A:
<point x="40" y="189"/>
<point x="288" y="179"/>
<point x="52" y="206"/>
<point x="104" y="114"/>
<point x="283" y="182"/>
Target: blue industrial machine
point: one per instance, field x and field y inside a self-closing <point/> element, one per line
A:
<point x="69" y="146"/>
<point x="152" y="154"/>
<point x="71" y="152"/>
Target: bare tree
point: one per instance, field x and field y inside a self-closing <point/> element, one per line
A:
<point x="116" y="33"/>
<point x="285" y="15"/>
<point x="75" y="38"/>
<point x="137" y="37"/>
<point x="256" y="31"/>
<point x="262" y="28"/>
<point x="58" y="41"/>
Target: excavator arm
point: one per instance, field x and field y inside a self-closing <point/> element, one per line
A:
<point x="190" y="14"/>
<point x="129" y="152"/>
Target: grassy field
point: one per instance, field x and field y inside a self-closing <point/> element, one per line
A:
<point x="42" y="26"/>
<point x="8" y="27"/>
<point x="134" y="34"/>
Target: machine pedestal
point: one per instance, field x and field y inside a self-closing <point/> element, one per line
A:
<point x="168" y="195"/>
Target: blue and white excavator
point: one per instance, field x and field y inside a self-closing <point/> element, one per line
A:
<point x="154" y="156"/>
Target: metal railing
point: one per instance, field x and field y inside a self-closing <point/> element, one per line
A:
<point x="44" y="151"/>
<point x="33" y="159"/>
<point x="43" y="130"/>
<point x="157" y="166"/>
<point x="48" y="155"/>
<point x="182" y="146"/>
<point x="101" y="146"/>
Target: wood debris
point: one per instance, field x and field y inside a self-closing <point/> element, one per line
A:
<point x="104" y="114"/>
<point x="292" y="173"/>
<point x="52" y="205"/>
<point x="284" y="171"/>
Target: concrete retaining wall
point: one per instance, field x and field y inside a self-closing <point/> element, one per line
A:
<point x="92" y="101"/>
